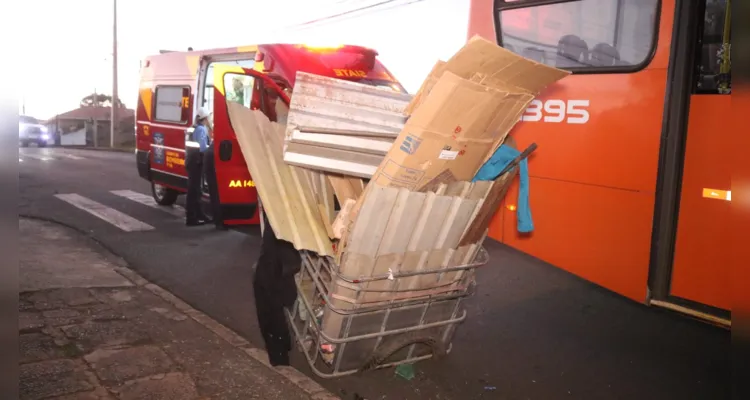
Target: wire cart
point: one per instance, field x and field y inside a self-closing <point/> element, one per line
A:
<point x="381" y="335"/>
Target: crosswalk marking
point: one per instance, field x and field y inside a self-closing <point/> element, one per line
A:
<point x="110" y="215"/>
<point x="149" y="201"/>
<point x="38" y="157"/>
<point x="48" y="156"/>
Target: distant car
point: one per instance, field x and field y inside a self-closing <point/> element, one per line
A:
<point x="31" y="131"/>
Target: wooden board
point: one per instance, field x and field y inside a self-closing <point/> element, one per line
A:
<point x="346" y="187"/>
<point x="489" y="207"/>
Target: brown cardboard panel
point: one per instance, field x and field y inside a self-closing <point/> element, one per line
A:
<point x="453" y="130"/>
<point x="429" y="82"/>
<point x="487" y="58"/>
<point x="285" y="192"/>
<point x="465" y="109"/>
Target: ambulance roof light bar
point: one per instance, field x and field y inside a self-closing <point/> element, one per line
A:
<point x="334" y="47"/>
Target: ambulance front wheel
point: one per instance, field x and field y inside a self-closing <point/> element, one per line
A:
<point x="164" y="196"/>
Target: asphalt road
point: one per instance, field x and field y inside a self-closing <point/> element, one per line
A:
<point x="533" y="331"/>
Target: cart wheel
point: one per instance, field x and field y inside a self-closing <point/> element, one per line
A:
<point x="437" y="348"/>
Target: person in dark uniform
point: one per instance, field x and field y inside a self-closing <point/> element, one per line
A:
<point x="209" y="171"/>
<point x="274" y="289"/>
<point x="194" y="164"/>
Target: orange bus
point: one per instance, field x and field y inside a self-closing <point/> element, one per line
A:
<point x="630" y="185"/>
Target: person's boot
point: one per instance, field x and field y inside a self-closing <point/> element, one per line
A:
<point x="195" y="222"/>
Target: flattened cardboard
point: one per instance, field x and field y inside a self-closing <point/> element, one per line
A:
<point x="463" y="111"/>
<point x="481" y="56"/>
<point x="448" y="138"/>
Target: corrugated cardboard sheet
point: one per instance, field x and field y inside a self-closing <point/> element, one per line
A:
<point x="286" y="191"/>
<point x="402" y="231"/>
<point x="462" y="113"/>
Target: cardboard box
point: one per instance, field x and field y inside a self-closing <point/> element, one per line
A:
<point x="462" y="113"/>
<point x="501" y="67"/>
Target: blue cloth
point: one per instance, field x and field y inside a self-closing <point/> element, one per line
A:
<point x="490" y="171"/>
<point x="201" y="136"/>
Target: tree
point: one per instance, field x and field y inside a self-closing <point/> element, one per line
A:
<point x="100" y="100"/>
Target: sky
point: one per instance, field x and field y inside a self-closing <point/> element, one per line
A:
<point x="76" y="38"/>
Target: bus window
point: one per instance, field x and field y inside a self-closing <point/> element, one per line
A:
<point x="581" y="35"/>
<point x="713" y="72"/>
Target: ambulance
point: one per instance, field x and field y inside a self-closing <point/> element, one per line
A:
<point x="174" y="85"/>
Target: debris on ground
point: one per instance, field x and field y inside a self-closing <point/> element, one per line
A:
<point x="405" y="371"/>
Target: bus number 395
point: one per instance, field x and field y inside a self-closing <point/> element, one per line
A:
<point x="570" y="111"/>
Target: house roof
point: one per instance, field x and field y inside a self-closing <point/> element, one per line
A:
<point x="100" y="113"/>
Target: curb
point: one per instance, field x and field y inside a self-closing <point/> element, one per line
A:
<point x="293" y="375"/>
<point x="302" y="381"/>
<point x="120" y="260"/>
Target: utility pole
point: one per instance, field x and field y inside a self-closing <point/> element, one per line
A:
<point x="96" y="123"/>
<point x="113" y="117"/>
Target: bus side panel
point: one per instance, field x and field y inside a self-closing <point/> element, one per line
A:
<point x="616" y="147"/>
<point x="600" y="234"/>
<point x="701" y="264"/>
<point x="593" y="179"/>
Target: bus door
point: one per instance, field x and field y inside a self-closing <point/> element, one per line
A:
<point x="699" y="175"/>
<point x="237" y="192"/>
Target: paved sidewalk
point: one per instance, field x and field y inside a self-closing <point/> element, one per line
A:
<point x="92" y="329"/>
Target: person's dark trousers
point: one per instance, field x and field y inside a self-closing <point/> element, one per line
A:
<point x="194" y="167"/>
<point x="209" y="170"/>
<point x="274" y="289"/>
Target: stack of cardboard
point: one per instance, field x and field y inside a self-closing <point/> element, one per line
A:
<point x="419" y="212"/>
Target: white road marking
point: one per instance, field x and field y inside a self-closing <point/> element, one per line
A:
<point x="38" y="157"/>
<point x="74" y="157"/>
<point x="20" y="159"/>
<point x="149" y="201"/>
<point x="114" y="217"/>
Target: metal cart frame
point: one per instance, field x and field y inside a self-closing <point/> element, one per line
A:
<point x="374" y="336"/>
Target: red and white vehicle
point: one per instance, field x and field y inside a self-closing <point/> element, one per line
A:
<point x="174" y="84"/>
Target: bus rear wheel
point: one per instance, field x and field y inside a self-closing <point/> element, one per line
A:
<point x="163" y="195"/>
